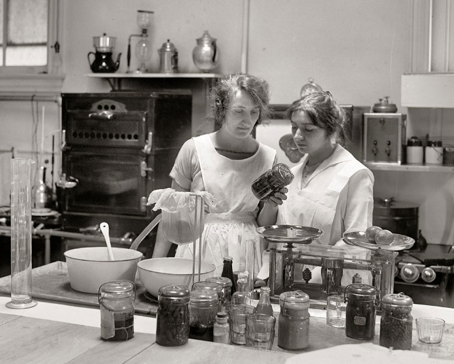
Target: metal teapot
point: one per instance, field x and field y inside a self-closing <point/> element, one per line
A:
<point x="383" y="106"/>
<point x="168" y="58"/>
<point x="206" y="53"/>
<point x="103" y="62"/>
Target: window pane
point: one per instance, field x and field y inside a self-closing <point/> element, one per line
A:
<point x="27" y="22"/>
<point x="26" y="56"/>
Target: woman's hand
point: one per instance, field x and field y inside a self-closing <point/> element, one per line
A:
<point x="277" y="198"/>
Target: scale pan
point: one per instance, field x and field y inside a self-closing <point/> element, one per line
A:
<point x="289" y="233"/>
<point x="358" y="238"/>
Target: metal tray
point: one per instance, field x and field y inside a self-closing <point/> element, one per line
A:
<point x="51" y="283"/>
<point x="289" y="233"/>
<point x="358" y="238"/>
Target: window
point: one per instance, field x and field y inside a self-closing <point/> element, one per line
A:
<point x="29" y="45"/>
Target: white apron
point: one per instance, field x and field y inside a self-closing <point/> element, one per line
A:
<point x="315" y="205"/>
<point x="233" y="231"/>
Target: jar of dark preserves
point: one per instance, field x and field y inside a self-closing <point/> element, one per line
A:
<point x="396" y="322"/>
<point x="203" y="307"/>
<point x="360" y="313"/>
<point x="293" y="323"/>
<point x="272" y="181"/>
<point x="172" y="317"/>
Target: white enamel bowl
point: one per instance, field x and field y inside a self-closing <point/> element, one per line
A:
<point x="89" y="268"/>
<point x="157" y="272"/>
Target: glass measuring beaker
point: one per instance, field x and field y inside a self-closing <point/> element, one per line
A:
<point x="21" y="234"/>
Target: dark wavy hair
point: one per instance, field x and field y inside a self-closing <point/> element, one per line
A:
<point x="324" y="113"/>
<point x="222" y="94"/>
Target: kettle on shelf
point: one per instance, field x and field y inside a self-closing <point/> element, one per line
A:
<point x="384" y="106"/>
<point x="206" y="53"/>
<point x="103" y="62"/>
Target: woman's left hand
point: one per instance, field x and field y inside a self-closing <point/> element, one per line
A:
<point x="278" y="197"/>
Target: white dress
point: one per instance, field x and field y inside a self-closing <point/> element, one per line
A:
<point x="336" y="198"/>
<point x="231" y="231"/>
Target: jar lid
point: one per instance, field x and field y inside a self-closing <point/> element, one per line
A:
<point x="361" y="289"/>
<point x="176" y="291"/>
<point x="397" y="299"/>
<point x="294" y="299"/>
<point x="414" y="142"/>
<point x="222" y="317"/>
<point x="204" y="298"/>
<point x="434" y="143"/>
<point x="222" y="281"/>
<point x="204" y="286"/>
<point x="118" y="287"/>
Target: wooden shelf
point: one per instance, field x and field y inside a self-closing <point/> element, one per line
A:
<point x="408" y="167"/>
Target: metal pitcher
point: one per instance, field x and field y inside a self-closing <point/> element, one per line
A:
<point x="168" y="58"/>
<point x="206" y="53"/>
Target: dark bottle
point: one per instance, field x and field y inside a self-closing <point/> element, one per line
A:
<point x="272" y="181"/>
<point x="227" y="272"/>
<point x="264" y="304"/>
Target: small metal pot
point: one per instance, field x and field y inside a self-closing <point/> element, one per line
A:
<point x="383" y="106"/>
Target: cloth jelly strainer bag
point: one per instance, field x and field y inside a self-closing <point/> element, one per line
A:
<point x="183" y="215"/>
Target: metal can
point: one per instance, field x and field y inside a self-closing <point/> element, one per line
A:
<point x="172" y="317"/>
<point x="396" y="323"/>
<point x="293" y="323"/>
<point x="116" y="302"/>
<point x="360" y="313"/>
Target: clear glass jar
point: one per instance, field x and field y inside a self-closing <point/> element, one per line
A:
<point x="226" y="284"/>
<point x="293" y="323"/>
<point x="360" y="315"/>
<point x="221" y="328"/>
<point x="211" y="286"/>
<point x="172" y="317"/>
<point x="116" y="302"/>
<point x="203" y="307"/>
<point x="396" y="323"/>
<point x="272" y="181"/>
<point x="264" y="305"/>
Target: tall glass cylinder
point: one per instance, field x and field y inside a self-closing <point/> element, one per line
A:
<point x="21" y="234"/>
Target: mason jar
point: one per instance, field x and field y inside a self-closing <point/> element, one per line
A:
<point x="116" y="302"/>
<point x="293" y="323"/>
<point x="203" y="307"/>
<point x="226" y="296"/>
<point x="396" y="322"/>
<point x="172" y="317"/>
<point x="360" y="313"/>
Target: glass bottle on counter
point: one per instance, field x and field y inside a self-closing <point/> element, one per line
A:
<point x="396" y="323"/>
<point x="360" y="312"/>
<point x="293" y="323"/>
<point x="227" y="272"/>
<point x="226" y="284"/>
<point x="172" y="317"/>
<point x="203" y="307"/>
<point x="241" y="295"/>
<point x="221" y="328"/>
<point x="264" y="304"/>
<point x="116" y="301"/>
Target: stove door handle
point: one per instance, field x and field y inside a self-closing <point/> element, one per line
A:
<point x="102" y="115"/>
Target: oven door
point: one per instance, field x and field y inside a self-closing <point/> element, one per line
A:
<point x="109" y="181"/>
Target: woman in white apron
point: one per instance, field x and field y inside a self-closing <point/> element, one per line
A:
<point x="331" y="190"/>
<point x="225" y="163"/>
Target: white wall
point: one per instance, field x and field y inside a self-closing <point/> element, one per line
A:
<point x="357" y="49"/>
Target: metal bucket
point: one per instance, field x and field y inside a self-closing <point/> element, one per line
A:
<point x="397" y="217"/>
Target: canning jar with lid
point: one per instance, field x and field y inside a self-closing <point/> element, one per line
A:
<point x="211" y="286"/>
<point x="172" y="317"/>
<point x="272" y="181"/>
<point x="203" y="307"/>
<point x="226" y="284"/>
<point x="116" y="302"/>
<point x="396" y="323"/>
<point x="293" y="323"/>
<point x="360" y="313"/>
